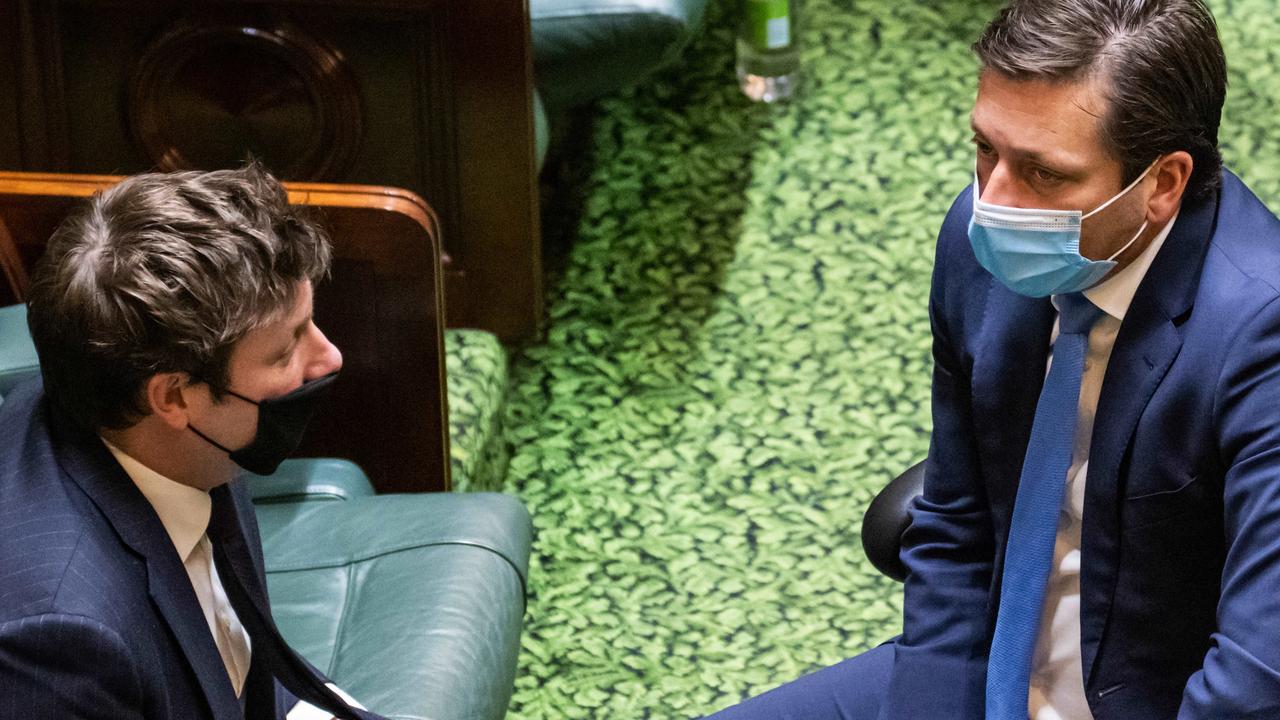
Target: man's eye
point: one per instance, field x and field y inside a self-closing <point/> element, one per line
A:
<point x="983" y="148"/>
<point x="1047" y="176"/>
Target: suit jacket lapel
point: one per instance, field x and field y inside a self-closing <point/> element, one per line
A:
<point x="1149" y="340"/>
<point x="228" y="531"/>
<point x="1009" y="370"/>
<point x="91" y="466"/>
<point x="227" y="527"/>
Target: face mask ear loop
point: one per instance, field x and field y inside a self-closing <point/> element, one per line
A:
<point x="1126" y="245"/>
<point x="208" y="439"/>
<point x="1122" y="193"/>
<point x="238" y="396"/>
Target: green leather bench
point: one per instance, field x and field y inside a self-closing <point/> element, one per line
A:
<point x="582" y="50"/>
<point x="411" y="603"/>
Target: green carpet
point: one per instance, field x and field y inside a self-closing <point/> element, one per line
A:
<point x="737" y="355"/>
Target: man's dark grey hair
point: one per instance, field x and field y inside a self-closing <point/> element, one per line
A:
<point x="164" y="273"/>
<point x="1160" y="62"/>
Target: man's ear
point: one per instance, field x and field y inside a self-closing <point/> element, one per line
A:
<point x="1172" y="172"/>
<point x="164" y="394"/>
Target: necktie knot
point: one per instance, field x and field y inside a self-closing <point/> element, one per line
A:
<point x="1076" y="315"/>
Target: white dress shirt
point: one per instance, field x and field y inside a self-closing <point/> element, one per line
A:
<point x="184" y="511"/>
<point x="1057" y="675"/>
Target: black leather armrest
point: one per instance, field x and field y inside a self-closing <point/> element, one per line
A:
<point x="887" y="518"/>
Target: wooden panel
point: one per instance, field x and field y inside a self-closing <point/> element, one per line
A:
<point x="503" y="289"/>
<point x="12" y="267"/>
<point x="431" y="95"/>
<point x="382" y="306"/>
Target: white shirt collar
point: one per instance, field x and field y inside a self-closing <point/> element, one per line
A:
<point x="1114" y="295"/>
<point x="184" y="511"/>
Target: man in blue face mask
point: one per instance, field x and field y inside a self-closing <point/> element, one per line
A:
<point x="1099" y="531"/>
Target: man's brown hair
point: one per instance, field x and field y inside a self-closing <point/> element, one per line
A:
<point x="1160" y="62"/>
<point x="164" y="273"/>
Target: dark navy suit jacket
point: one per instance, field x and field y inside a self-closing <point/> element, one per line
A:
<point x="98" y="618"/>
<point x="1180" y="546"/>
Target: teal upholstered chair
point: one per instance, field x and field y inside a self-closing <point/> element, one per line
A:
<point x="17" y="354"/>
<point x="413" y="603"/>
<point x="582" y="50"/>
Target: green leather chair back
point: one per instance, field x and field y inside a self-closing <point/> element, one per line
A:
<point x="17" y="353"/>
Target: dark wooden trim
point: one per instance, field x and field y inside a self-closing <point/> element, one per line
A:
<point x="15" y="273"/>
<point x="493" y="90"/>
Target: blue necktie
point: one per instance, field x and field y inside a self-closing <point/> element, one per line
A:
<point x="1032" y="532"/>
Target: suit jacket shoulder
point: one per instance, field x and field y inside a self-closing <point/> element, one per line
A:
<point x="97" y="614"/>
<point x="1243" y="258"/>
<point x="58" y="551"/>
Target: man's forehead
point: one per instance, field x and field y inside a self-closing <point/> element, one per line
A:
<point x="1041" y="117"/>
<point x="302" y="302"/>
<point x="283" y="322"/>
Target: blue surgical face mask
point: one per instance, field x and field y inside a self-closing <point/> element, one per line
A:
<point x="1037" y="252"/>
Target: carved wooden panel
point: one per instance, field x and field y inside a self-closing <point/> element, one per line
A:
<point x="430" y="95"/>
<point x="295" y="105"/>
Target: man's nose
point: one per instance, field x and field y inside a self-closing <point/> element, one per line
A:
<point x="326" y="358"/>
<point x="999" y="187"/>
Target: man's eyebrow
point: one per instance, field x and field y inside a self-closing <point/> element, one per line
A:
<point x="296" y="334"/>
<point x="1027" y="153"/>
<point x="302" y="326"/>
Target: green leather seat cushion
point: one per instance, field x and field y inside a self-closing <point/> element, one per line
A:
<point x="541" y="131"/>
<point x="582" y="50"/>
<point x="411" y="603"/>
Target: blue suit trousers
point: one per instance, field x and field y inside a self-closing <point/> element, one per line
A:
<point x="850" y="690"/>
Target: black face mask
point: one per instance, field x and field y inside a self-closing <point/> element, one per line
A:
<point x="281" y="422"/>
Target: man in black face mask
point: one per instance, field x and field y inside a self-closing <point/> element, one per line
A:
<point x="173" y="320"/>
